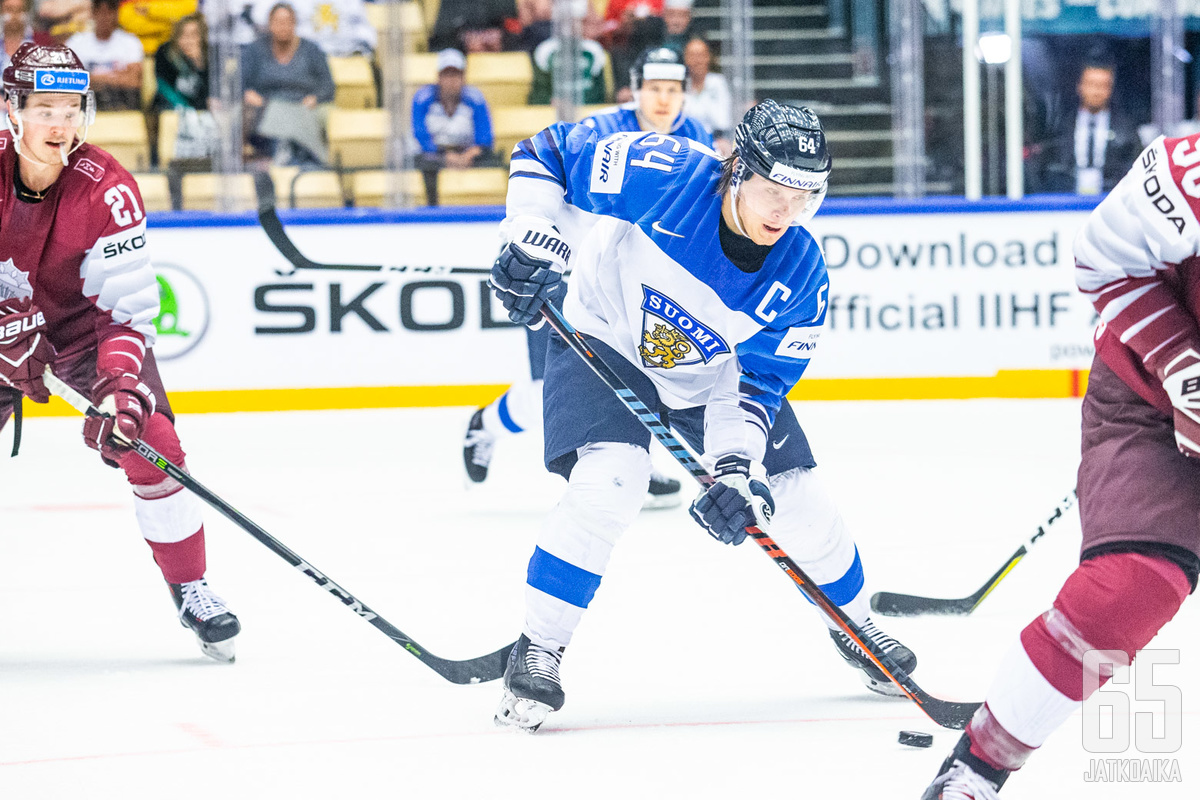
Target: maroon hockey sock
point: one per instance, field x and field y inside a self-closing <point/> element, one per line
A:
<point x="181" y="562"/>
<point x="1117" y="601"/>
<point x="993" y="745"/>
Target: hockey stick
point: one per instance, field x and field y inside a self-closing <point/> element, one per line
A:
<point x="891" y="604"/>
<point x="268" y="218"/>
<point x="475" y="670"/>
<point x="944" y="712"/>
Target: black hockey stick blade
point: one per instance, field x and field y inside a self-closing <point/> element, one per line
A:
<point x="894" y="604"/>
<point x="946" y="713"/>
<point x="268" y="218"/>
<point x="474" y="670"/>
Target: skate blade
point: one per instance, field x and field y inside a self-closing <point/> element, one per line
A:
<point x="219" y="651"/>
<point x="883" y="688"/>
<point x="519" y="713"/>
<point x="656" y="502"/>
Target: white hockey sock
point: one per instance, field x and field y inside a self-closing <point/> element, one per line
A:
<point x="515" y="411"/>
<point x="1024" y="702"/>
<point x="603" y="496"/>
<point x="809" y="527"/>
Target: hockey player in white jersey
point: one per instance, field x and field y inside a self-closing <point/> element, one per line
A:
<point x="695" y="281"/>
<point x="659" y="80"/>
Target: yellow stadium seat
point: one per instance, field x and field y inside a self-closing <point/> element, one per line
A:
<point x="511" y="124"/>
<point x="371" y="186"/>
<point x="123" y="135"/>
<point x="200" y="191"/>
<point x="168" y="130"/>
<point x="472" y="187"/>
<point x="420" y="69"/>
<point x="149" y="82"/>
<point x="412" y="20"/>
<point x="307" y="189"/>
<point x="430" y="7"/>
<point x="456" y="187"/>
<point x="354" y="83"/>
<point x="156" y="196"/>
<point x="583" y="112"/>
<point x="356" y="138"/>
<point x="504" y="78"/>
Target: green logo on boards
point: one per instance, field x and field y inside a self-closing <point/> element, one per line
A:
<point x="183" y="313"/>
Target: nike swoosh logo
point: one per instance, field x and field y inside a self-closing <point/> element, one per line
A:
<point x="658" y="227"/>
<point x="779" y="444"/>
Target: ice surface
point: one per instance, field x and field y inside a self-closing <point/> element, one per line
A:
<point x="699" y="671"/>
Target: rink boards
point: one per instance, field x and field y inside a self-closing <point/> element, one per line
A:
<point x="927" y="299"/>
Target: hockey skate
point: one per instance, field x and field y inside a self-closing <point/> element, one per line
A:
<point x="663" y="492"/>
<point x="477" y="449"/>
<point x="201" y="610"/>
<point x="532" y="688"/>
<point x="965" y="777"/>
<point x="872" y="676"/>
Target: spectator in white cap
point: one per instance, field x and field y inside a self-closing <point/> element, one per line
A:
<point x="451" y="124"/>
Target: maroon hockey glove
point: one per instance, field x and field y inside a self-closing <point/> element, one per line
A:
<point x="24" y="348"/>
<point x="126" y="404"/>
<point x="1179" y="370"/>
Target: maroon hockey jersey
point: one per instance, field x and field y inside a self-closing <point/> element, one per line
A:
<point x="81" y="252"/>
<point x="1137" y="260"/>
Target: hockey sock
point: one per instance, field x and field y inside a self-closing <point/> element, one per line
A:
<point x="1115" y="602"/>
<point x="168" y="515"/>
<point x="809" y="527"/>
<point x="603" y="496"/>
<point x="515" y="411"/>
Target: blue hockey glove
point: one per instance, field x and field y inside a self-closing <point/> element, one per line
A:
<point x="733" y="503"/>
<point x="529" y="268"/>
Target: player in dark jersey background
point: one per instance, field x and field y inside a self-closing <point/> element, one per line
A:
<point x="77" y="292"/>
<point x="1138" y="260"/>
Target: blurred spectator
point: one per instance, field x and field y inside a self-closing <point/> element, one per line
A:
<point x="62" y="18"/>
<point x="677" y="24"/>
<point x="153" y="20"/>
<point x="1089" y="151"/>
<point x="658" y="80"/>
<point x="708" y="99"/>
<point x="635" y="27"/>
<point x="593" y="71"/>
<point x="181" y="75"/>
<point x="339" y="27"/>
<point x="451" y="124"/>
<point x="536" y="20"/>
<point x="113" y="57"/>
<point x="181" y="67"/>
<point x="475" y="26"/>
<point x="17" y="19"/>
<point x="287" y="80"/>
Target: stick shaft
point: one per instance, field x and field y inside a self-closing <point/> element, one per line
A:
<point x="484" y="668"/>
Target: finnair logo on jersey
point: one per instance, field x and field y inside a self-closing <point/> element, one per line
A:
<point x="608" y="163"/>
<point x="61" y="80"/>
<point x="799" y="342"/>
<point x="672" y="337"/>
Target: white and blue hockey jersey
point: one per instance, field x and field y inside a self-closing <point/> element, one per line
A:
<point x="650" y="279"/>
<point x="624" y="118"/>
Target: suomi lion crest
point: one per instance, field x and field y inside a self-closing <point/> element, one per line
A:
<point x="672" y="337"/>
<point x="667" y="346"/>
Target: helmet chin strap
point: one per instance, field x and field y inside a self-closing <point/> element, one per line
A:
<point x="734" y="186"/>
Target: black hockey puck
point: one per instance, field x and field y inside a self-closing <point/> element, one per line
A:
<point x="916" y="739"/>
